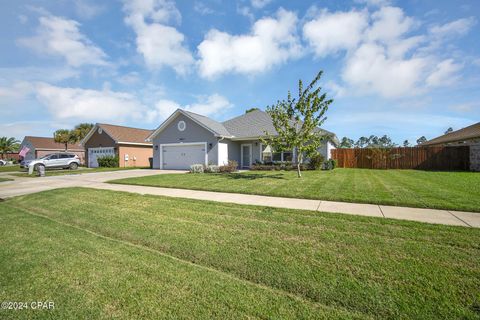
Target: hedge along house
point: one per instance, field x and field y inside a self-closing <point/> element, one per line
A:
<point x="187" y="138"/>
<point x="41" y="146"/>
<point x="468" y="136"/>
<point x="125" y="142"/>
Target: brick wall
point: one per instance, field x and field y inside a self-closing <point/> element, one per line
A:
<point x="475" y="157"/>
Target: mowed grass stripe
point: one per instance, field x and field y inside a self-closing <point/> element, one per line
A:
<point x="91" y="276"/>
<point x="411" y="188"/>
<point x="343" y="261"/>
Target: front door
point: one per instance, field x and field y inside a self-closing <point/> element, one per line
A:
<point x="246" y="155"/>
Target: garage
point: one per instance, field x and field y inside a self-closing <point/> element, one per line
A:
<point x="182" y="156"/>
<point x="95" y="153"/>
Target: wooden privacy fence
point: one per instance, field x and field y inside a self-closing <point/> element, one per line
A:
<point x="423" y="158"/>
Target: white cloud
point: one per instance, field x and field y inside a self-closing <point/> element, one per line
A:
<point x="65" y="103"/>
<point x="212" y="105"/>
<point x="454" y="28"/>
<point x="161" y="45"/>
<point x="61" y="37"/>
<point x="258" y="4"/>
<point x="445" y="73"/>
<point x="371" y="70"/>
<point x="331" y="32"/>
<point x="22" y="18"/>
<point x="272" y="41"/>
<point x="381" y="54"/>
<point x="389" y="24"/>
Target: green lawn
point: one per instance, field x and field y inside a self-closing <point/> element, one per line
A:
<point x="80" y="170"/>
<point x="424" y="189"/>
<point x="10" y="168"/>
<point x="101" y="254"/>
<point x="5" y="179"/>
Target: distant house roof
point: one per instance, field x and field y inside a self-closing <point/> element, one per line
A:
<point x="126" y="135"/>
<point x="250" y="125"/>
<point x="121" y="134"/>
<point x="44" y="143"/>
<point x="467" y="133"/>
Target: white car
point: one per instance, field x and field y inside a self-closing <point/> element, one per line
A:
<point x="3" y="162"/>
<point x="62" y="160"/>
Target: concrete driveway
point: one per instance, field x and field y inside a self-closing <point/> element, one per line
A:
<point x="24" y="185"/>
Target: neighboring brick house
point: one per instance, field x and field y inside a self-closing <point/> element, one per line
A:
<point x="468" y="136"/>
<point x="125" y="142"/>
<point x="41" y="146"/>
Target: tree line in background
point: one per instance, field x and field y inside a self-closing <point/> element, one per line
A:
<point x="380" y="142"/>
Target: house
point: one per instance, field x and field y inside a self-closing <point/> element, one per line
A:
<point x="468" y="136"/>
<point x="125" y="142"/>
<point x="187" y="138"/>
<point x="41" y="146"/>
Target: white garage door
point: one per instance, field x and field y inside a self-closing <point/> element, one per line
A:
<point x="182" y="157"/>
<point x="94" y="153"/>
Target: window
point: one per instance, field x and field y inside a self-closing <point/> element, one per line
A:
<point x="269" y="156"/>
<point x="65" y="156"/>
<point x="53" y="157"/>
<point x="287" y="156"/>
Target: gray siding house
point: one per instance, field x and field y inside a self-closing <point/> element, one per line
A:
<point x="187" y="138"/>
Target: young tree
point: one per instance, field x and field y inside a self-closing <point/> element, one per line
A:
<point x="346" y="143"/>
<point x="450" y="129"/>
<point x="8" y="145"/>
<point x="64" y="136"/>
<point x="421" y="140"/>
<point x="297" y="122"/>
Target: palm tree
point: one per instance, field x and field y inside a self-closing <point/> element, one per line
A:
<point x="8" y="145"/>
<point x="64" y="136"/>
<point x="81" y="130"/>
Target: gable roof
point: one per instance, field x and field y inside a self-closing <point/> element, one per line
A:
<point x="121" y="134"/>
<point x="209" y="124"/>
<point x="470" y="132"/>
<point x="45" y="143"/>
<point x="255" y="123"/>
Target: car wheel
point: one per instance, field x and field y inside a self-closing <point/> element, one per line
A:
<point x="73" y="166"/>
<point x="37" y="166"/>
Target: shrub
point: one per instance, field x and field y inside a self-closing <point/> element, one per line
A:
<point x="287" y="166"/>
<point x="329" y="164"/>
<point x="197" y="168"/>
<point x="108" y="162"/>
<point x="211" y="168"/>
<point x="316" y="162"/>
<point x="230" y="167"/>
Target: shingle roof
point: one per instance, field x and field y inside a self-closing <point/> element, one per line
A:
<point x="255" y="123"/>
<point x="50" y="144"/>
<point x="470" y="132"/>
<point x="126" y="134"/>
<point x="215" y="126"/>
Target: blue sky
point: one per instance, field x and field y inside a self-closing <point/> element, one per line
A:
<point x="402" y="68"/>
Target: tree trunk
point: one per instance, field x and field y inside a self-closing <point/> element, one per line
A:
<point x="299" y="160"/>
<point x="66" y="146"/>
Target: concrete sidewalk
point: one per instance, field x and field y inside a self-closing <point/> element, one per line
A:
<point x="22" y="186"/>
<point x="455" y="218"/>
